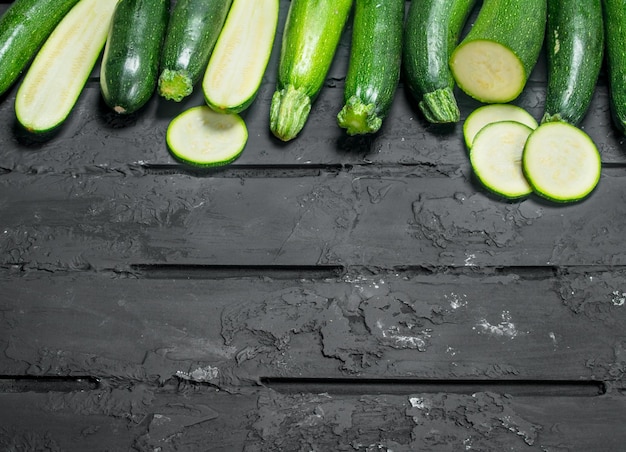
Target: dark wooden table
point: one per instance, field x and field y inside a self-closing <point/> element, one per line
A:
<point x="326" y="294"/>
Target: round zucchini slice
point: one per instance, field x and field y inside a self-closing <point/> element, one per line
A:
<point x="202" y="137"/>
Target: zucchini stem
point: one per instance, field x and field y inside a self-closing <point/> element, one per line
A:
<point x="358" y="118"/>
<point x="440" y="106"/>
<point x="289" y="112"/>
<point x="175" y="85"/>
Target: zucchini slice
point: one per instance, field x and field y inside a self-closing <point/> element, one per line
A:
<point x="487" y="114"/>
<point x="561" y="162"/>
<point x="241" y="54"/>
<point x="496" y="158"/>
<point x="61" y="68"/>
<point x="202" y="137"/>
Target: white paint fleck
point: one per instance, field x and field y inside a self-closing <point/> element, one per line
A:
<point x="505" y="328"/>
<point x="619" y="298"/>
<point x="469" y="260"/>
<point x="553" y="337"/>
<point x="201" y="374"/>
<point x="456" y="300"/>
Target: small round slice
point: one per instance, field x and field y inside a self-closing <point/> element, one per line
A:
<point x="561" y="162"/>
<point x="487" y="114"/>
<point x="202" y="137"/>
<point x="496" y="158"/>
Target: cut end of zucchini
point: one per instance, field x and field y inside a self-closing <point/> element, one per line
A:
<point x="488" y="71"/>
<point x="174" y="85"/>
<point x="561" y="162"/>
<point x="289" y="112"/>
<point x="496" y="158"/>
<point x="358" y="118"/>
<point x="201" y="137"/>
<point x="487" y="114"/>
<point x="440" y="106"/>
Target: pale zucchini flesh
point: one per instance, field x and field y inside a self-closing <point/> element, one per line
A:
<point x="241" y="55"/>
<point x="496" y="158"/>
<point x="203" y="137"/>
<point x="561" y="162"/>
<point x="487" y="114"/>
<point x="490" y="71"/>
<point x="61" y="68"/>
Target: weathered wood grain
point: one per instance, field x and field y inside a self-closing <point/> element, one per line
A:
<point x="331" y="293"/>
<point x="137" y="418"/>
<point x="360" y="216"/>
<point x="233" y="331"/>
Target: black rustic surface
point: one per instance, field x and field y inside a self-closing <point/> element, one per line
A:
<point x="326" y="294"/>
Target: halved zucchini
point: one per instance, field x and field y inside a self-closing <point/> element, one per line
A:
<point x="202" y="137"/>
<point x="496" y="158"/>
<point x="487" y="114"/>
<point x="561" y="162"/>
<point x="61" y="68"/>
<point x="240" y="56"/>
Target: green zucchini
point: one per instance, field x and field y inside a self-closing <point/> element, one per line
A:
<point x="240" y="56"/>
<point x="494" y="60"/>
<point x="561" y="162"/>
<point x="203" y="137"/>
<point x="24" y="27"/>
<point x="431" y="33"/>
<point x="574" y="52"/>
<point x="374" y="69"/>
<point x="310" y="38"/>
<point x="130" y="63"/>
<point x="61" y="68"/>
<point x="192" y="32"/>
<point x="496" y="158"/>
<point x="615" y="36"/>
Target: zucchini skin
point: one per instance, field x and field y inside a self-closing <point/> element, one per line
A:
<point x="614" y="12"/>
<point x="192" y="32"/>
<point x="374" y="69"/>
<point x="574" y="52"/>
<point x="24" y="27"/>
<point x="130" y="62"/>
<point x="432" y="31"/>
<point x="518" y="25"/>
<point x="310" y="38"/>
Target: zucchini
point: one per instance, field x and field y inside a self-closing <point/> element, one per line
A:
<point x="496" y="158"/>
<point x="310" y="38"/>
<point x="431" y="33"/>
<point x="61" y="68"/>
<point x="24" y="27"/>
<point x="489" y="113"/>
<point x="202" y="137"/>
<point x="615" y="36"/>
<point x="130" y="63"/>
<point x="192" y="32"/>
<point x="561" y="162"/>
<point x="374" y="68"/>
<point x="574" y="52"/>
<point x="239" y="59"/>
<point x="494" y="60"/>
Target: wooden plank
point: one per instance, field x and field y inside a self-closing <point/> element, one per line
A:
<point x="402" y="216"/>
<point x="233" y="331"/>
<point x="139" y="418"/>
